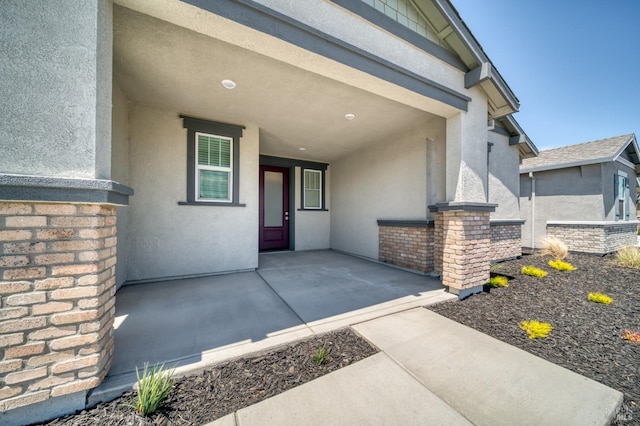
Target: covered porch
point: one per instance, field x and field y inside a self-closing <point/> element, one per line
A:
<point x="194" y="322"/>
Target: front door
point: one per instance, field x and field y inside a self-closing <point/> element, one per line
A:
<point x="274" y="208"/>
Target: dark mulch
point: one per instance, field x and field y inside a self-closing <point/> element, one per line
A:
<point x="230" y="386"/>
<point x="586" y="336"/>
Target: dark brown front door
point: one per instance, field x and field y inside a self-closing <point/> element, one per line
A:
<point x="274" y="208"/>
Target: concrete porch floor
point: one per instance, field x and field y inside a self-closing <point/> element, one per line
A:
<point x="192" y="323"/>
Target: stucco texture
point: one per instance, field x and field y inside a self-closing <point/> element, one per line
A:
<point x="388" y="180"/>
<point x="312" y="227"/>
<point x="166" y="239"/>
<point x="504" y="185"/>
<point x="120" y="173"/>
<point x="583" y="193"/>
<point x="56" y="88"/>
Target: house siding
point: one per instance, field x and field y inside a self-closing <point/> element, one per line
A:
<point x="170" y="240"/>
<point x="387" y="180"/>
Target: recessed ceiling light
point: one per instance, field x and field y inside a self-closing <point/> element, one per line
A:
<point x="302" y="149"/>
<point x="229" y="84"/>
<point x="349" y="116"/>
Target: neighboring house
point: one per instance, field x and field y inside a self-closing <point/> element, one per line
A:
<point x="242" y="126"/>
<point x="583" y="194"/>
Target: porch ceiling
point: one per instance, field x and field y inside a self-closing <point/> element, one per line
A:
<point x="163" y="65"/>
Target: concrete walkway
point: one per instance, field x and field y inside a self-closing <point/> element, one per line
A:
<point x="434" y="371"/>
<point x="193" y="323"/>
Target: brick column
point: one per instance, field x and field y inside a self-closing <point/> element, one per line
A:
<point x="57" y="289"/>
<point x="462" y="246"/>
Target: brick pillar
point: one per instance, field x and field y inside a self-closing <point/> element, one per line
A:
<point x="57" y="289"/>
<point x="462" y="246"/>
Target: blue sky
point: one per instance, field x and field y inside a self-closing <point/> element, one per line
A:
<point x="574" y="64"/>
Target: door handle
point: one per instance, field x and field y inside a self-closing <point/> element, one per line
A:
<point x="286" y="215"/>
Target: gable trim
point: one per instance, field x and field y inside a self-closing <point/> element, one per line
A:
<point x="626" y="162"/>
<point x="275" y="24"/>
<point x="379" y="19"/>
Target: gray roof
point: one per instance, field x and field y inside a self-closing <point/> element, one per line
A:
<point x="599" y="151"/>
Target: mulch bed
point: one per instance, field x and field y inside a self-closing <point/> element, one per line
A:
<point x="586" y="336"/>
<point x="230" y="386"/>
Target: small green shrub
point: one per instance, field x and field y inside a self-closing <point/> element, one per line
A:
<point x="532" y="271"/>
<point x="561" y="266"/>
<point x="498" y="281"/>
<point x="320" y="355"/>
<point x="536" y="329"/>
<point x="554" y="247"/>
<point x="496" y="267"/>
<point x="600" y="298"/>
<point x="153" y="387"/>
<point x="629" y="257"/>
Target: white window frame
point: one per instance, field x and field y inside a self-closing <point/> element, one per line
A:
<point x="199" y="167"/>
<point x="623" y="197"/>
<point x="304" y="190"/>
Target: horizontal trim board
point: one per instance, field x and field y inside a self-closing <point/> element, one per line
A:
<point x="54" y="189"/>
<point x="383" y="21"/>
<point x="268" y="21"/>
<point x="267" y="160"/>
<point x="592" y="222"/>
<point x="209" y="126"/>
<point x="214" y="204"/>
<point x="407" y="223"/>
<point x="463" y="207"/>
<point x="506" y="222"/>
<point x="313" y="210"/>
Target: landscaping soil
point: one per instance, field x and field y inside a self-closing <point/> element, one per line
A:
<point x="232" y="385"/>
<point x="586" y="336"/>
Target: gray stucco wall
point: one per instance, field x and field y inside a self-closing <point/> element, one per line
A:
<point x="387" y="180"/>
<point x="609" y="170"/>
<point x="504" y="170"/>
<point x="166" y="239"/>
<point x="120" y="173"/>
<point x="312" y="227"/>
<point x="55" y="63"/>
<point x="573" y="193"/>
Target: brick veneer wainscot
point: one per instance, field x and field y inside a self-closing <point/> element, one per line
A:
<point x="57" y="289"/>
<point x="407" y="246"/>
<point x="595" y="238"/>
<point x="506" y="241"/>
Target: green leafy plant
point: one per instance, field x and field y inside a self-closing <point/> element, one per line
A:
<point x="536" y="329"/>
<point x="554" y="247"/>
<point x="600" y="298"/>
<point x="629" y="257"/>
<point x="498" y="281"/>
<point x="153" y="387"/>
<point x="561" y="266"/>
<point x="632" y="336"/>
<point x="532" y="271"/>
<point x="320" y="355"/>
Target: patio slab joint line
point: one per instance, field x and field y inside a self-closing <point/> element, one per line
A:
<point x="284" y="301"/>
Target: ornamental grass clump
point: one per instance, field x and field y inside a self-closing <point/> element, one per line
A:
<point x="600" y="298"/>
<point x="629" y="257"/>
<point x="632" y="336"/>
<point x="561" y="266"/>
<point x="536" y="329"/>
<point x="532" y="271"/>
<point x="153" y="387"/>
<point x="320" y="355"/>
<point x="554" y="247"/>
<point x="498" y="281"/>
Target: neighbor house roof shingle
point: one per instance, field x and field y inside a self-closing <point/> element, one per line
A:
<point x="598" y="151"/>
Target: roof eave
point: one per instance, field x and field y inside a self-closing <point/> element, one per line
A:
<point x="565" y="165"/>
